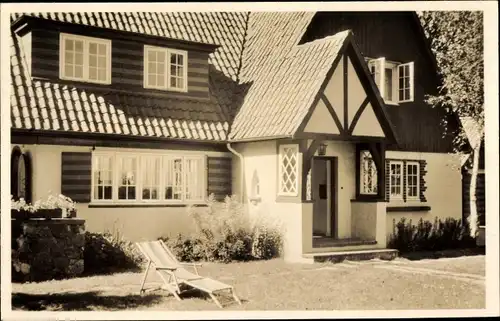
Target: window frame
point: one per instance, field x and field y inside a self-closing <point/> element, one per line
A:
<point x="411" y="76"/>
<point x="280" y="170"/>
<point x="168" y="52"/>
<point x="362" y="174"/>
<point x="407" y="187"/>
<point x="400" y="196"/>
<point x="85" y="74"/>
<point x="381" y="64"/>
<point x="115" y="183"/>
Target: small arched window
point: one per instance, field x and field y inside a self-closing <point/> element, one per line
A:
<point x="20" y="171"/>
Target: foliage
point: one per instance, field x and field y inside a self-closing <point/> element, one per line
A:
<point x="456" y="39"/>
<point x="226" y="232"/>
<point x="108" y="252"/>
<point x="52" y="202"/>
<point x="425" y="236"/>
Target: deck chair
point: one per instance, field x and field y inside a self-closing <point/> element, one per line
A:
<point x="175" y="277"/>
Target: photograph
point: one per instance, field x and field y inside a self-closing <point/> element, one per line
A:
<point x="228" y="158"/>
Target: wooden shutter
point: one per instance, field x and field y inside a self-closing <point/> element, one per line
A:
<point x="219" y="177"/>
<point x="76" y="176"/>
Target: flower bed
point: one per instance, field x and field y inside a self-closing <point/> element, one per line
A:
<point x="53" y="207"/>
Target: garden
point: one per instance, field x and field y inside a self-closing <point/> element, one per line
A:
<point x="233" y="247"/>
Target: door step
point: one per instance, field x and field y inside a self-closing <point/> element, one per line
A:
<point x="358" y="255"/>
<point x="330" y="242"/>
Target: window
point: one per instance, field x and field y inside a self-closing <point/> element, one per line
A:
<point x="394" y="80"/>
<point x="412" y="180"/>
<point x="368" y="174"/>
<point x="288" y="170"/>
<point x="405" y="76"/>
<point x="127" y="182"/>
<point x="103" y="177"/>
<point x="396" y="180"/>
<point x="148" y="178"/>
<point x="165" y="69"/>
<point x="85" y="59"/>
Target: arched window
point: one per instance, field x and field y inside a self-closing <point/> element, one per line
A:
<point x="20" y="171"/>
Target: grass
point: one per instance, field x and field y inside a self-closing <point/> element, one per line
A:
<point x="272" y="285"/>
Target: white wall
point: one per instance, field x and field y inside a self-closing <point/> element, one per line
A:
<point x="444" y="188"/>
<point x="133" y="223"/>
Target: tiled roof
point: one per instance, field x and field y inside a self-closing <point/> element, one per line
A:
<point x="46" y="105"/>
<point x="226" y="29"/>
<point x="258" y="75"/>
<point x="283" y="78"/>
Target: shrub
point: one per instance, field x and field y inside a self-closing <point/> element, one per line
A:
<point x="225" y="232"/>
<point x="108" y="252"/>
<point x="425" y="236"/>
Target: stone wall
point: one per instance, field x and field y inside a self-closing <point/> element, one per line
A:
<point x="47" y="249"/>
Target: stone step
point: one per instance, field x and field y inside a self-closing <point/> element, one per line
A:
<point x="329" y="242"/>
<point x="356" y="255"/>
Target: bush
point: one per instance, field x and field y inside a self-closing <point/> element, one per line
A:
<point x="425" y="236"/>
<point x="108" y="253"/>
<point x="225" y="232"/>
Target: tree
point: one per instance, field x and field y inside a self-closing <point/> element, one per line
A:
<point x="456" y="39"/>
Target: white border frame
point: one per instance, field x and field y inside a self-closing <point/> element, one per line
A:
<point x="280" y="170"/>
<point x="168" y="52"/>
<point x="63" y="36"/>
<point x="161" y="201"/>
<point x="408" y="197"/>
<point x="391" y="197"/>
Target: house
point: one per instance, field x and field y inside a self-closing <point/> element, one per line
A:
<point x="317" y="119"/>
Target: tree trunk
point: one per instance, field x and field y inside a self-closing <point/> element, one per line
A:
<point x="473" y="216"/>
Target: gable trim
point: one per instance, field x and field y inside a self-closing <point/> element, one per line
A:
<point x="329" y="74"/>
<point x="332" y="112"/>
<point x="372" y="93"/>
<point x="346" y="101"/>
<point x="358" y="114"/>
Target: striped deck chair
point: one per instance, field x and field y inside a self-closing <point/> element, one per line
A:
<point x="175" y="277"/>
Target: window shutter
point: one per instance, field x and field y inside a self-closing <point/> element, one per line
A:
<point x="76" y="176"/>
<point x="219" y="178"/>
<point x="423" y="187"/>
<point x="412" y="77"/>
<point x="380" y="73"/>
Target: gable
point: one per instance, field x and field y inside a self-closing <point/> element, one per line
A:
<point x="348" y="104"/>
<point x="398" y="37"/>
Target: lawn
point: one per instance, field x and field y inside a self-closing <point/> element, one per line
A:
<point x="276" y="285"/>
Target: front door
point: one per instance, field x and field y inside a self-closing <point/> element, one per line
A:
<point x="323" y="191"/>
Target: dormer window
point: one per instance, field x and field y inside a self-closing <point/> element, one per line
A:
<point x="395" y="81"/>
<point x="165" y="69"/>
<point x="85" y="59"/>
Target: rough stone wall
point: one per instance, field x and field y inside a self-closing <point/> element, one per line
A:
<point x="47" y="249"/>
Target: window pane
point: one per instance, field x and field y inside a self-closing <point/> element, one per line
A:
<point x="92" y="73"/>
<point x="152" y="80"/>
<point x="68" y="70"/>
<point x="78" y="71"/>
<point x="69" y="44"/>
<point x="180" y="60"/>
<point x="173" y="82"/>
<point x="79" y="59"/>
<point x="102" y="74"/>
<point x="92" y="61"/>
<point x="79" y="46"/>
<point x="160" y="68"/>
<point x="102" y="62"/>
<point x="151" y="68"/>
<point x="68" y="58"/>
<point x="161" y="56"/>
<point x="388" y="83"/>
<point x="93" y="48"/>
<point x="102" y="49"/>
<point x="161" y="80"/>
<point x="151" y="55"/>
